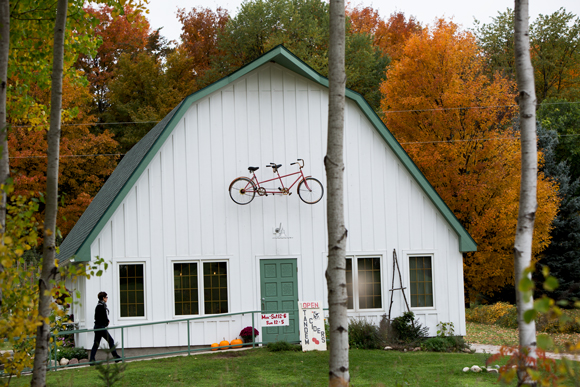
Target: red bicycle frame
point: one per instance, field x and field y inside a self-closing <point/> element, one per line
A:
<point x="281" y="190"/>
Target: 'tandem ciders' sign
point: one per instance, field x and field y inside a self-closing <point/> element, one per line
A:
<point x="311" y="323"/>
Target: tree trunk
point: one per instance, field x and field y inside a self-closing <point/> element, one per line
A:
<point x="336" y="272"/>
<point x="49" y="270"/>
<point x="4" y="167"/>
<point x="527" y="208"/>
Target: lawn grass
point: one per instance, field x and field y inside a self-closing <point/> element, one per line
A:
<point x="259" y="367"/>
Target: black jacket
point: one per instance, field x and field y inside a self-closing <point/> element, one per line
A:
<point x="101" y="315"/>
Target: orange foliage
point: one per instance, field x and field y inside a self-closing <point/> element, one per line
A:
<point x="470" y="154"/>
<point x="200" y="30"/>
<point x="120" y="34"/>
<point x="391" y="35"/>
<point x="80" y="176"/>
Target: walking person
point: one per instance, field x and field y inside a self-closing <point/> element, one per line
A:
<point x="102" y="321"/>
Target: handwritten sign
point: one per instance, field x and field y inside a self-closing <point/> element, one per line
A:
<point x="311" y="322"/>
<point x="275" y="320"/>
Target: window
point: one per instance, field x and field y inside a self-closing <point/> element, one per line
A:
<point x="132" y="293"/>
<point x="185" y="288"/>
<point x="215" y="287"/>
<point x="366" y="289"/>
<point x="188" y="283"/>
<point x="421" y="280"/>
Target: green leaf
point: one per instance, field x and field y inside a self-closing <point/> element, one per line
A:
<point x="526" y="284"/>
<point x="545" y="271"/>
<point x="529" y="315"/>
<point x="551" y="284"/>
<point x="542" y="305"/>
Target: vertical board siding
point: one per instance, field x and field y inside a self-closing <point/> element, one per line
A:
<point x="180" y="207"/>
<point x="143" y="216"/>
<point x="180" y="193"/>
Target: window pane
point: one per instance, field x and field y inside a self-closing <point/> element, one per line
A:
<point x="369" y="283"/>
<point x="185" y="286"/>
<point x="421" y="285"/>
<point x="132" y="290"/>
<point x="215" y="282"/>
<point x="349" y="284"/>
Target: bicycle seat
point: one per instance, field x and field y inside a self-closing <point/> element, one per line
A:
<point x="275" y="166"/>
<point x="253" y="169"/>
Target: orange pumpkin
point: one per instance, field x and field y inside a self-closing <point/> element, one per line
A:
<point x="237" y="343"/>
<point x="224" y="343"/>
<point x="214" y="345"/>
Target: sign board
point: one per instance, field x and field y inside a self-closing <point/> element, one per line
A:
<point x="311" y="322"/>
<point x="276" y="320"/>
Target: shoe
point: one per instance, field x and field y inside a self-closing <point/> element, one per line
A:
<point x="118" y="359"/>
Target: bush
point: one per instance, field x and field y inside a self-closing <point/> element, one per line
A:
<point x="500" y="313"/>
<point x="71" y="353"/>
<point x="407" y="330"/>
<point x="444" y="344"/>
<point x="438" y="344"/>
<point x="363" y="334"/>
<point x="280" y="346"/>
<point x="506" y="315"/>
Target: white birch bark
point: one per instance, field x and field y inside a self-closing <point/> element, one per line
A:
<point x="4" y="167"/>
<point x="528" y="203"/>
<point x="49" y="270"/>
<point x="336" y="271"/>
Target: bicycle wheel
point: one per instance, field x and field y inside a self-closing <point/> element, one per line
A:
<point x="310" y="190"/>
<point x="242" y="190"/>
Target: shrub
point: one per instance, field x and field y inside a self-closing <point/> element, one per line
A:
<point x="280" y="346"/>
<point x="491" y="314"/>
<point x="438" y="344"/>
<point x="71" y="353"/>
<point x="363" y="334"/>
<point x="407" y="330"/>
<point x="444" y="344"/>
<point x="506" y="315"/>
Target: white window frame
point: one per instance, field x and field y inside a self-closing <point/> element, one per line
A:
<point x="355" y="293"/>
<point x="118" y="292"/>
<point x="431" y="254"/>
<point x="200" y="284"/>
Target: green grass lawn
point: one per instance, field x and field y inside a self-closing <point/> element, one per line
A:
<point x="259" y="367"/>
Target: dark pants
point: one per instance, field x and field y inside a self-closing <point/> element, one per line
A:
<point x="104" y="334"/>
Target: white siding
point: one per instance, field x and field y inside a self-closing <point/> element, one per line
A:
<point x="180" y="209"/>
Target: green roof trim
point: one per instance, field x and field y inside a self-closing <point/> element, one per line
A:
<point x="78" y="242"/>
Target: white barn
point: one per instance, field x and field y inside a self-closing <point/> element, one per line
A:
<point x="179" y="247"/>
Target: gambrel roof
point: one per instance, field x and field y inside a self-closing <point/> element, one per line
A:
<point x="133" y="164"/>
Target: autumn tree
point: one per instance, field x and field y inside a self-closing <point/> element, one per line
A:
<point x="200" y="30"/>
<point x="118" y="34"/>
<point x="86" y="159"/>
<point x="389" y="35"/>
<point x="443" y="108"/>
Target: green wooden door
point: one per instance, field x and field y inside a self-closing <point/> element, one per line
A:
<point x="279" y="293"/>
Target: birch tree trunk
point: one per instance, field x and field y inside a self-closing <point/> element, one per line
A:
<point x="4" y="167"/>
<point x="49" y="270"/>
<point x="336" y="271"/>
<point x="527" y="207"/>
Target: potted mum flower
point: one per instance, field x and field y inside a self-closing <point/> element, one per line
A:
<point x="246" y="334"/>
